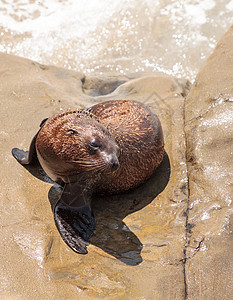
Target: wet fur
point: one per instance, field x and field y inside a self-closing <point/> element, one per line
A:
<point x="131" y="139"/>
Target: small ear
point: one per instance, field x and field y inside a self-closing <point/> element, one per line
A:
<point x="75" y="224"/>
<point x="42" y="122"/>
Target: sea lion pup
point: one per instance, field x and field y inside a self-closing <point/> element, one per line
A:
<point x="108" y="148"/>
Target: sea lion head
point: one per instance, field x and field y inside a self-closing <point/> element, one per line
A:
<point x="75" y="145"/>
<point x="94" y="146"/>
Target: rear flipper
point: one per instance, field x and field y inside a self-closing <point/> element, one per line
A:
<point x="75" y="223"/>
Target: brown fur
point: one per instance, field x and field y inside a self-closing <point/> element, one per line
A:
<point x="124" y="124"/>
<point x="109" y="148"/>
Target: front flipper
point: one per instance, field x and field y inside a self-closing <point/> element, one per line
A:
<point x="74" y="219"/>
<point x="27" y="157"/>
<point x="21" y="156"/>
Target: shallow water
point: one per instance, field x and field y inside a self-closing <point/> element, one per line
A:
<point x="112" y="36"/>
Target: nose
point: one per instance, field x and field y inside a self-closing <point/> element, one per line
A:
<point x="114" y="163"/>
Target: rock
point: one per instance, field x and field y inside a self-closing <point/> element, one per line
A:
<point x="138" y="252"/>
<point x="209" y="133"/>
<point x="169" y="239"/>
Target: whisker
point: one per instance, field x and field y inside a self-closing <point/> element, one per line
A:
<point x="86" y="163"/>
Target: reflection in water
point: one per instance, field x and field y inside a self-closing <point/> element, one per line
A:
<point x="112" y="235"/>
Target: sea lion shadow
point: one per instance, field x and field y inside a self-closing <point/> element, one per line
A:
<point x="112" y="235"/>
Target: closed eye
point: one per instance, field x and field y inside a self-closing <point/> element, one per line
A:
<point x="73" y="131"/>
<point x="94" y="145"/>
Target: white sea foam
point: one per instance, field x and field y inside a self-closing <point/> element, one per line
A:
<point x="115" y="35"/>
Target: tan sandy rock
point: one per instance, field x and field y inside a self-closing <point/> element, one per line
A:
<point x="137" y="252"/>
<point x="209" y="132"/>
<point x="169" y="239"/>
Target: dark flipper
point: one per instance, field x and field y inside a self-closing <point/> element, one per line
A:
<point x="73" y="218"/>
<point x="21" y="156"/>
<point x="27" y="157"/>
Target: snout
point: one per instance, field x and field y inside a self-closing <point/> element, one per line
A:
<point x="114" y="163"/>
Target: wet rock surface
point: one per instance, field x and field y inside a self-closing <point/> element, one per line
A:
<point x="209" y="133"/>
<point x="169" y="239"/>
<point x="138" y="248"/>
